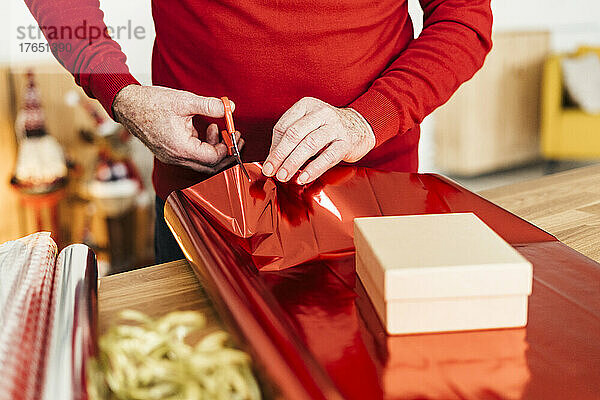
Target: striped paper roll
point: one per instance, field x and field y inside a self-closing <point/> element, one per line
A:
<point x="47" y="318"/>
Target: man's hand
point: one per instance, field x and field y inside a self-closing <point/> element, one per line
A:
<point x="312" y="126"/>
<point x="162" y="119"/>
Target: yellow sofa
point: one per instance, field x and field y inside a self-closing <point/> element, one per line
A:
<point x="566" y="131"/>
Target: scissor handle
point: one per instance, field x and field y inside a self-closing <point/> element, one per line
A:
<point x="228" y="115"/>
<point x="229" y="134"/>
<point x="228" y="142"/>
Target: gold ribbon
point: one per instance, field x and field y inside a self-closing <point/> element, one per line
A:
<point x="153" y="359"/>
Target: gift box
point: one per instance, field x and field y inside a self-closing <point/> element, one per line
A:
<point x="440" y="273"/>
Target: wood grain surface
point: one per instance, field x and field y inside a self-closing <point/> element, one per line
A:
<point x="155" y="290"/>
<point x="566" y="205"/>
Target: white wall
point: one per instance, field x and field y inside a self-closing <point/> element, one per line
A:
<point x="572" y="23"/>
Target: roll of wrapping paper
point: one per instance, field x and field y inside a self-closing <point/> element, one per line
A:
<point x="277" y="261"/>
<point x="47" y="318"/>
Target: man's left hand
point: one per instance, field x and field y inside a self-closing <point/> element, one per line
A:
<point x="310" y="127"/>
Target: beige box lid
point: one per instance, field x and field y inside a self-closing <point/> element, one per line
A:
<point x="439" y="256"/>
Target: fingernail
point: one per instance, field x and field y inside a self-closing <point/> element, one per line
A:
<point x="282" y="175"/>
<point x="303" y="178"/>
<point x="267" y="169"/>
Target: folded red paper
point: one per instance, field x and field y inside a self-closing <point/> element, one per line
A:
<point x="282" y="225"/>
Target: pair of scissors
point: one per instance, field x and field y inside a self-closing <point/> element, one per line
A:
<point x="229" y="136"/>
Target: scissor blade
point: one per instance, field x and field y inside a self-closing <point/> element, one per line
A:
<point x="236" y="153"/>
<point x="239" y="160"/>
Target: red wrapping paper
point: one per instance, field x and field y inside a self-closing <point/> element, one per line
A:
<point x="312" y="326"/>
<point x="284" y="225"/>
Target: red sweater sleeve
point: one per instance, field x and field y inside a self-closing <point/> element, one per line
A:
<point x="95" y="60"/>
<point x="455" y="39"/>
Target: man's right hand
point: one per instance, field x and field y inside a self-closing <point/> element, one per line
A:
<point x="162" y="119"/>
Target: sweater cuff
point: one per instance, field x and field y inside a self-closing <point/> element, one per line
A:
<point x="380" y="113"/>
<point x="106" y="81"/>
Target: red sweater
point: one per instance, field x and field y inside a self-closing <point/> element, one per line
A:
<point x="266" y="55"/>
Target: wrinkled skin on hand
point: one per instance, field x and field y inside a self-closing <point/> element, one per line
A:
<point x="162" y="119"/>
<point x="311" y="128"/>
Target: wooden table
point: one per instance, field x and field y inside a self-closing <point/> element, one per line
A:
<point x="566" y="205"/>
